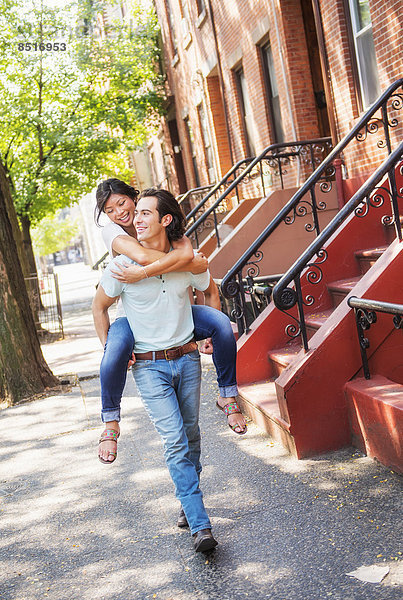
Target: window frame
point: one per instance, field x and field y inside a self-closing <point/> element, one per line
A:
<point x="172" y="32"/>
<point x="351" y="22"/>
<point x="238" y="73"/>
<point x="207" y="143"/>
<point x="192" y="150"/>
<point x="277" y="132"/>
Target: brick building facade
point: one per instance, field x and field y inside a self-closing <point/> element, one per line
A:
<point x="242" y="75"/>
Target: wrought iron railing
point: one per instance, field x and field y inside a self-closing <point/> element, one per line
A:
<point x="367" y="197"/>
<point x="227" y="179"/>
<point x="270" y="169"/>
<point x="44" y="298"/>
<point x="259" y="292"/>
<point x="365" y="315"/>
<point x="101" y="262"/>
<point x="304" y="203"/>
<point x="189" y="198"/>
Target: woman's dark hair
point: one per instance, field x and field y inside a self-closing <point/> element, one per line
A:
<point x="107" y="188"/>
<point x="168" y="205"/>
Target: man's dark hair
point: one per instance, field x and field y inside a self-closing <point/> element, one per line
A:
<point x="107" y="188"/>
<point x="168" y="205"/>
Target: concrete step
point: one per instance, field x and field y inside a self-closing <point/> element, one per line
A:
<point x="280" y="358"/>
<point x="340" y="289"/>
<point x="367" y="258"/>
<point x="315" y="320"/>
<point x="375" y="408"/>
<point x="259" y="402"/>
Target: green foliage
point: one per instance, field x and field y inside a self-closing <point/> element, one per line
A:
<point x="68" y="117"/>
<point x="53" y="234"/>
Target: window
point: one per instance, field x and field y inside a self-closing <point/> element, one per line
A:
<point x="192" y="148"/>
<point x="167" y="168"/>
<point x="364" y="51"/>
<point x="246" y="112"/>
<point x="208" y="150"/>
<point x="201" y="7"/>
<point x="172" y="33"/>
<point x="186" y="35"/>
<point x="273" y="99"/>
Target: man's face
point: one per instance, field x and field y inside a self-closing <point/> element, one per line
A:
<point x="147" y="219"/>
<point x="120" y="209"/>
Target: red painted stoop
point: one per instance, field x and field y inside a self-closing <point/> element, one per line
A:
<point x="298" y="397"/>
<point x="375" y="409"/>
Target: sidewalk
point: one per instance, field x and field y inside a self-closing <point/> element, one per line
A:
<point x="72" y="528"/>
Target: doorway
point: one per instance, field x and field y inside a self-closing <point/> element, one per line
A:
<point x="178" y="159"/>
<point x="315" y="66"/>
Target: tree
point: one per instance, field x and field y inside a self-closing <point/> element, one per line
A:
<point x="53" y="235"/>
<point x="63" y="114"/>
<point x="23" y="370"/>
<point x="75" y="90"/>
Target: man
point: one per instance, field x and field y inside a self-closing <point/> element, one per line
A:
<point x="167" y="369"/>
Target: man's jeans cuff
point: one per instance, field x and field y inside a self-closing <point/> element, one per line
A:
<point x="228" y="391"/>
<point x="110" y="415"/>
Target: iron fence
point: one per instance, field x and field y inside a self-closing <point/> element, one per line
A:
<point x="44" y="298"/>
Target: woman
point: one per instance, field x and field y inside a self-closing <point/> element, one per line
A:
<point x="118" y="200"/>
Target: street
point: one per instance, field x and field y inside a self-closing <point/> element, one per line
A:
<point x="73" y="528"/>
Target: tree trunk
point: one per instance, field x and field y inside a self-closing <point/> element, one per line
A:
<point x="32" y="283"/>
<point x="27" y="245"/>
<point x="12" y="215"/>
<point x="23" y="370"/>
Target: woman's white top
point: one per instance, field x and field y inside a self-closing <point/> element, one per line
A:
<point x="109" y="232"/>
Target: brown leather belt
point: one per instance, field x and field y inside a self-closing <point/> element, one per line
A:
<point x="169" y="354"/>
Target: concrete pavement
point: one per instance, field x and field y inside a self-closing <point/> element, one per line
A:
<point x="72" y="528"/>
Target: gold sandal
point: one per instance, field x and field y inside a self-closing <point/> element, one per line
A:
<point x="109" y="435"/>
<point x="231" y="409"/>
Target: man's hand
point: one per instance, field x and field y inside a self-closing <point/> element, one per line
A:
<point x="207" y="346"/>
<point x="132" y="361"/>
<point x="199" y="264"/>
<point x="127" y="273"/>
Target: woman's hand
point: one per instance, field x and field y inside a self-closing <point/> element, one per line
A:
<point x="199" y="264"/>
<point x="207" y="346"/>
<point x="127" y="273"/>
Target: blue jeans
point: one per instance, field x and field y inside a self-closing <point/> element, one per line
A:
<point x="170" y="392"/>
<point x="208" y="322"/>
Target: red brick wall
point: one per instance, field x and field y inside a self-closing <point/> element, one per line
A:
<point x="387" y="23"/>
<point x="364" y="157"/>
<point x="195" y="73"/>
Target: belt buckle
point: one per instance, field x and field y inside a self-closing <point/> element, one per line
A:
<point x="175" y="353"/>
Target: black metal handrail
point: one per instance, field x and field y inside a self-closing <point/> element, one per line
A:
<point x="298" y="206"/>
<point x="100" y="261"/>
<point x="365" y="315"/>
<point x="368" y="195"/>
<point x="307" y="150"/>
<point x="217" y="186"/>
<point x="186" y="196"/>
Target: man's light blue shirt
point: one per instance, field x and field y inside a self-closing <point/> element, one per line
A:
<point x="158" y="308"/>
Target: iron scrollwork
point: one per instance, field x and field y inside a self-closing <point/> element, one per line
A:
<point x="289" y="296"/>
<point x="398" y="321"/>
<point x="365" y="318"/>
<point x="394" y="102"/>
<point x="375" y="200"/>
<point x="314" y="274"/>
<point x="252" y="268"/>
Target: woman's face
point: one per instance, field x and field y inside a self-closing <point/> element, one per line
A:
<point x="120" y="209"/>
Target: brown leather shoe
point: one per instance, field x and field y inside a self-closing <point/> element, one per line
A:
<point x="182" y="520"/>
<point x="204" y="541"/>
